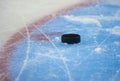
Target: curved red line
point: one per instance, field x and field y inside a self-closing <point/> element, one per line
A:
<point x="12" y="42"/>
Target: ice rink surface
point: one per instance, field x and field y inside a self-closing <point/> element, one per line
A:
<point x="15" y="14"/>
<point x="36" y="53"/>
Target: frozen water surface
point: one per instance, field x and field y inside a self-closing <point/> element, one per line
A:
<point x="96" y="58"/>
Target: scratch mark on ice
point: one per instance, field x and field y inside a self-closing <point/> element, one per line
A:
<point x="27" y="56"/>
<point x="63" y="60"/>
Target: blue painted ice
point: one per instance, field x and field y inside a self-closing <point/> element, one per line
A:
<point x="96" y="58"/>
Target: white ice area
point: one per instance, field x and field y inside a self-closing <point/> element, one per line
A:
<point x="115" y="30"/>
<point x="98" y="49"/>
<point x="84" y="20"/>
<point x="92" y="19"/>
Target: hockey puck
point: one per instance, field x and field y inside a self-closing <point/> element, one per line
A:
<point x="70" y="38"/>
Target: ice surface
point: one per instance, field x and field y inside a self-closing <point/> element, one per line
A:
<point x="96" y="58"/>
<point x="12" y="12"/>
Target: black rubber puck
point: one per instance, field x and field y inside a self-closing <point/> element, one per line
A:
<point x="70" y="38"/>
